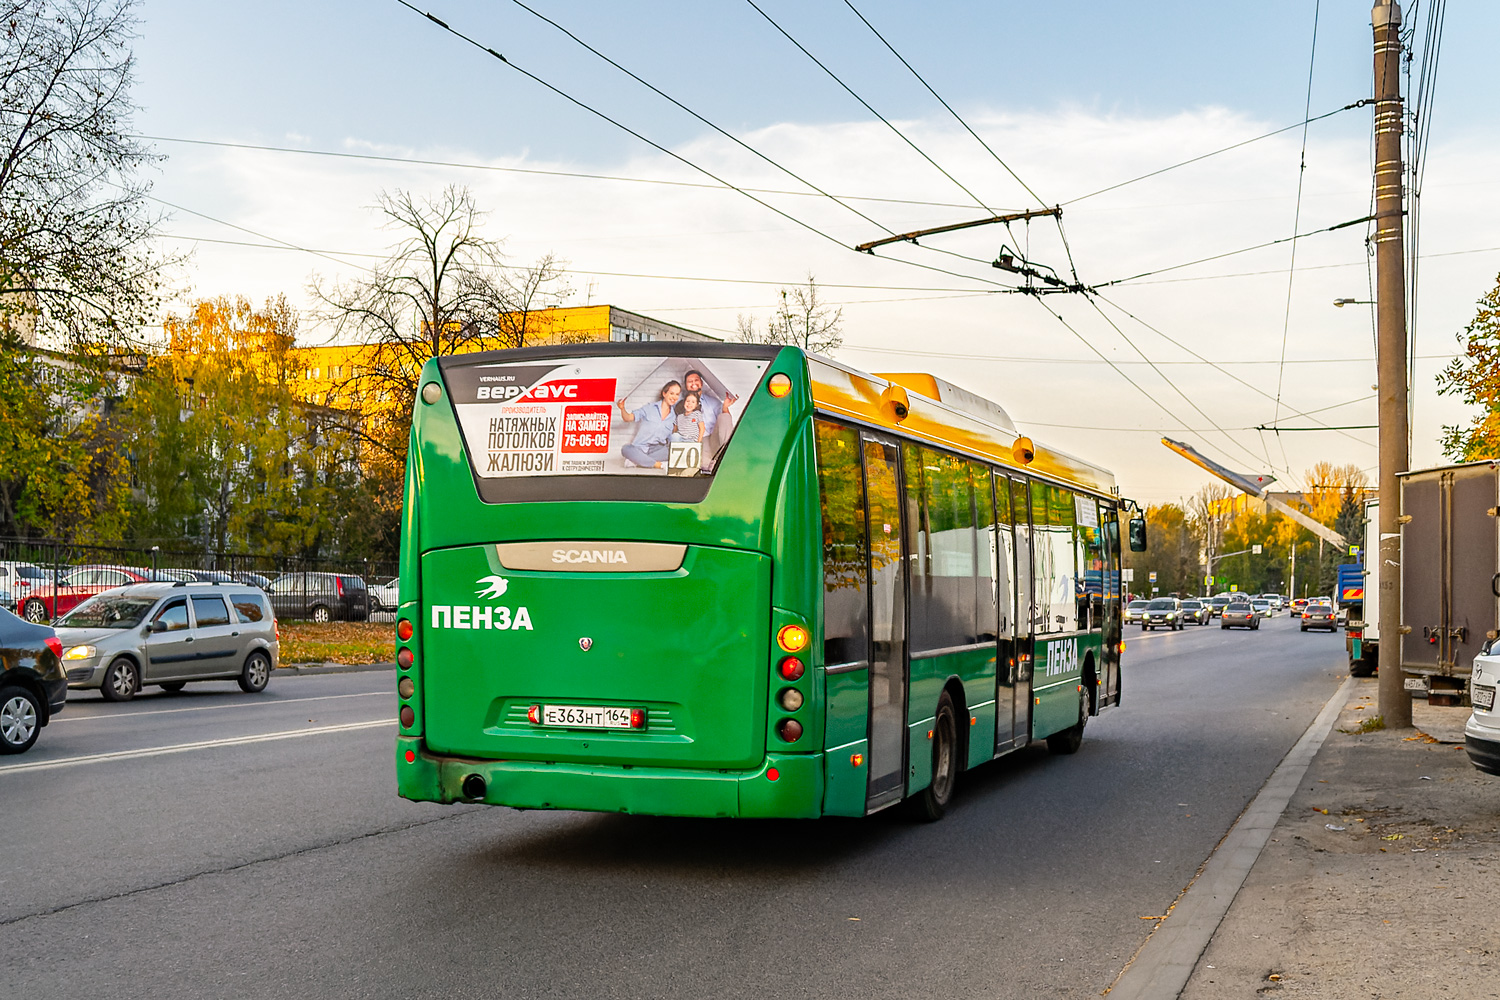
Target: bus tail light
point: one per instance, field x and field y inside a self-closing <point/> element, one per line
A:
<point x="791" y="668"/>
<point x="779" y="385"/>
<point x="789" y="730"/>
<point x="406" y="688"/>
<point x="792" y="638"/>
<point x="791" y="699"/>
<point x="534" y="715"/>
<point x="408" y="717"/>
<point x="404" y="630"/>
<point x="637" y="718"/>
<point x="405" y="658"/>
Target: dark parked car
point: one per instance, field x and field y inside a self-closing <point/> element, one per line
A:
<point x="1239" y="614"/>
<point x="33" y="687"/>
<point x="320" y="597"/>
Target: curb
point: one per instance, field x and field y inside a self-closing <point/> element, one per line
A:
<point x="298" y="669"/>
<point x="1162" y="966"/>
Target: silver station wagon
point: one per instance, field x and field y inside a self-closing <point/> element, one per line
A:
<point x="169" y="634"/>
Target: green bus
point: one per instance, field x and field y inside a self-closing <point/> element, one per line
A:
<point x="698" y="579"/>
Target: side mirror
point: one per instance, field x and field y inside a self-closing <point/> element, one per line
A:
<point x="158" y="626"/>
<point x="1138" y="534"/>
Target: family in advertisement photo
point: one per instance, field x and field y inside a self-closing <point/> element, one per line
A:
<point x="684" y="411"/>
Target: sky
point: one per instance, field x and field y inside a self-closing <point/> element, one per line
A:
<point x="1071" y="97"/>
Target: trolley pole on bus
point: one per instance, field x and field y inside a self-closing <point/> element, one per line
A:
<point x="1390" y="351"/>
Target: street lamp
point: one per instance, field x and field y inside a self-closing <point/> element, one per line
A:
<point x="1341" y="303"/>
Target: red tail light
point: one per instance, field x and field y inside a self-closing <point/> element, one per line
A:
<point x="637" y="718"/>
<point x="276" y="627"/>
<point x="534" y="715"/>
<point x="54" y="644"/>
<point x="338" y="583"/>
<point x="404" y="629"/>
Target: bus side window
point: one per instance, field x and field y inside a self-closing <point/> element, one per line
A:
<point x="1041" y="561"/>
<point x="943" y="574"/>
<point x="986" y="593"/>
<point x="841" y="493"/>
<point x="1090" y="585"/>
<point x="1060" y="523"/>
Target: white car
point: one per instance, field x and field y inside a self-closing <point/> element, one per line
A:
<point x="1482" y="734"/>
<point x="1135" y="611"/>
<point x="386" y="596"/>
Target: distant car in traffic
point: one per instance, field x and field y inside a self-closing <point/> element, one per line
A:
<point x="33" y="687"/>
<point x="170" y="634"/>
<point x="1163" y="612"/>
<point x="1216" y="606"/>
<point x="1134" y="611"/>
<point x="1239" y="614"/>
<point x="1319" y="616"/>
<point x="1196" y="611"/>
<point x="1262" y="608"/>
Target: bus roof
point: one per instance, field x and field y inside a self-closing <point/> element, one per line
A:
<point x="944" y="414"/>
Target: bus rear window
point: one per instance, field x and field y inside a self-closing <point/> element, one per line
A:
<point x="633" y="415"/>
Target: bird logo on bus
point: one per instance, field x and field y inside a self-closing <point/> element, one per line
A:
<point x="492" y="586"/>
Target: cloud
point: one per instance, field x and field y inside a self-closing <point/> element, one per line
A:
<point x="606" y="228"/>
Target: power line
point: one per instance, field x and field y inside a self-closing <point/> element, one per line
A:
<point x="678" y="104"/>
<point x="284" y="245"/>
<point x="1291" y="273"/>
<point x="1226" y="149"/>
<point x="945" y="104"/>
<point x="662" y="149"/>
<point x="1095" y="361"/>
<point x="535" y="171"/>
<point x="1215" y="365"/>
<point x="1231" y="253"/>
<point x="850" y="90"/>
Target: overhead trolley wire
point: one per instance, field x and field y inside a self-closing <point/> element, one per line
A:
<point x="850" y="91"/>
<point x="683" y="107"/>
<point x="1218" y="367"/>
<point x="955" y="114"/>
<point x="1163" y="376"/>
<point x="676" y="156"/>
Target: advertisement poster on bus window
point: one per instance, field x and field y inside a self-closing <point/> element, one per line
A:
<point x="641" y="416"/>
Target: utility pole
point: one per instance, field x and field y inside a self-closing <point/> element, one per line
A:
<point x="1390" y="350"/>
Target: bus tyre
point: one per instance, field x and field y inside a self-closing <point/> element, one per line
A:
<point x="1069" y="740"/>
<point x="932" y="801"/>
<point x="256" y="675"/>
<point x="121" y="681"/>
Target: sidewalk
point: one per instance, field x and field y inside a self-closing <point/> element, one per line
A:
<point x="1381" y="879"/>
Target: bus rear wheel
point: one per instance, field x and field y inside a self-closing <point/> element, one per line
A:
<point x="1070" y="739"/>
<point x="932" y="802"/>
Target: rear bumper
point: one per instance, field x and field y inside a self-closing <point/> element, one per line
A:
<point x="796" y="792"/>
<point x="1483" y="746"/>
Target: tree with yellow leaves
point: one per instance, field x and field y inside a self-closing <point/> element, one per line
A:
<point x="1475" y="378"/>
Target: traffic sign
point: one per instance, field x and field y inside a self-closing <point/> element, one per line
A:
<point x="1153" y="576"/>
<point x="1255" y="549"/>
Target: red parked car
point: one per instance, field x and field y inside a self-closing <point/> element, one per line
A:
<point x="43" y="603"/>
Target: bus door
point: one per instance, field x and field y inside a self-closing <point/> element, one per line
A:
<point x="1112" y="624"/>
<point x="1025" y="616"/>
<point x="888" y="667"/>
<point x="1007" y="667"/>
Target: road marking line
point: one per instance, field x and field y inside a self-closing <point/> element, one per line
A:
<point x="258" y="703"/>
<point x="1165" y="962"/>
<point x="231" y="741"/>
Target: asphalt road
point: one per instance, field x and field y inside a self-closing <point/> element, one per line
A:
<point x="253" y="846"/>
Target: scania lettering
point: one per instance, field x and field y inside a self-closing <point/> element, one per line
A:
<point x="828" y="593"/>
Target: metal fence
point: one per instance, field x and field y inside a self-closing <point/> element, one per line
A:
<point x="43" y="579"/>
